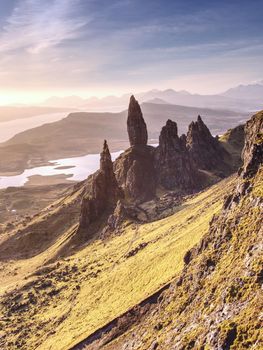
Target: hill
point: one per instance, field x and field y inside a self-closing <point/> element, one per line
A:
<point x="83" y="133"/>
<point x="8" y="113"/>
<point x="102" y="280"/>
<point x="215" y="302"/>
<point x="246" y="92"/>
<point x="128" y="260"/>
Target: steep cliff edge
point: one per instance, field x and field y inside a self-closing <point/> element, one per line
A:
<point x="215" y="302"/>
<point x="126" y="290"/>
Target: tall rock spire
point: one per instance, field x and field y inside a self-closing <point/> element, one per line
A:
<point x="102" y="194"/>
<point x="137" y="129"/>
<point x="134" y="168"/>
<point x="105" y="159"/>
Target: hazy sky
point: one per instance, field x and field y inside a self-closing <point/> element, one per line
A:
<point x="98" y="47"/>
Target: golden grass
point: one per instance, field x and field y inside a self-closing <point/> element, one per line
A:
<point x="108" y="282"/>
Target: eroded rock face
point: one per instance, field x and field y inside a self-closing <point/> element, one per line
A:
<point x="253" y="149"/>
<point x="103" y="193"/>
<point x="173" y="163"/>
<point x="205" y="150"/>
<point x="134" y="169"/>
<point x="136" y="126"/>
<point x="135" y="173"/>
<point x="252" y="159"/>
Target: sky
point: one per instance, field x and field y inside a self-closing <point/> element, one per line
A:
<point x="102" y="47"/>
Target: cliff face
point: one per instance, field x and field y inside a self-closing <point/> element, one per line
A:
<point x="205" y="150"/>
<point x="253" y="150"/>
<point x="173" y="163"/>
<point x="215" y="303"/>
<point x="135" y="173"/>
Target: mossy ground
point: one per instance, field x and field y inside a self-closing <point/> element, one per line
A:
<point x="219" y="303"/>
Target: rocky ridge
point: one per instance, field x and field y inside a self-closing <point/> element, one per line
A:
<point x="215" y="302"/>
<point x="173" y="163"/>
<point x="142" y="184"/>
<point x="205" y="150"/>
<point x="211" y="304"/>
<point x="142" y="170"/>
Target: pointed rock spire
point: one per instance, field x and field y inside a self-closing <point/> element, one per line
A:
<point x="136" y="125"/>
<point x="205" y="150"/>
<point x="173" y="163"/>
<point x="198" y="132"/>
<point x="102" y="193"/>
<point x="200" y="120"/>
<point x="105" y="159"/>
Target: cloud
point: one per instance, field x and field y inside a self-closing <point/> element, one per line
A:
<point x="92" y="44"/>
<point x="36" y="25"/>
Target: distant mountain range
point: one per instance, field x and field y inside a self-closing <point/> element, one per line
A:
<point x="8" y="113"/>
<point x="248" y="92"/>
<point x="240" y="98"/>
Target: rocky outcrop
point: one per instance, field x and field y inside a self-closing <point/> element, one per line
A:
<point x="173" y="163"/>
<point x="233" y="142"/>
<point x="139" y="171"/>
<point x="253" y="149"/>
<point x="137" y="130"/>
<point x="134" y="168"/>
<point x="103" y="193"/>
<point x="135" y="173"/>
<point x="235" y="137"/>
<point x="205" y="150"/>
<point x="222" y="279"/>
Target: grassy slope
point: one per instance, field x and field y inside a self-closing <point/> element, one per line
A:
<point x="59" y="306"/>
<point x="27" y="201"/>
<point x="217" y="306"/>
